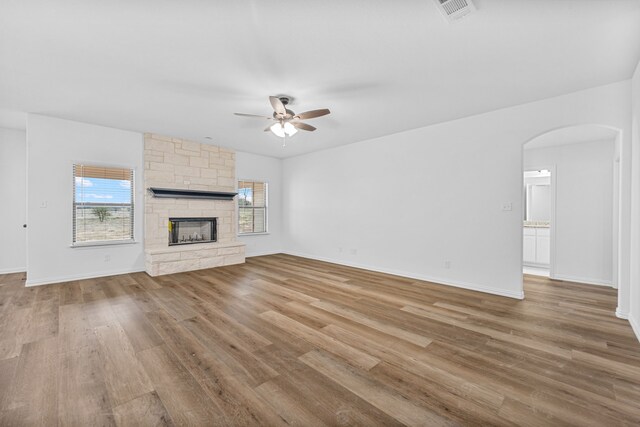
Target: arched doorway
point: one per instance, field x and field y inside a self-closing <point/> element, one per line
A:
<point x="584" y="225"/>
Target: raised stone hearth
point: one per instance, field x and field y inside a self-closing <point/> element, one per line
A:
<point x="185" y="165"/>
<point x="193" y="257"/>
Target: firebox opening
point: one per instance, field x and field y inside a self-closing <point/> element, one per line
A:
<point x="187" y="231"/>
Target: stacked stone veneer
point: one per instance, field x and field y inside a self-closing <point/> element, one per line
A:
<point x="186" y="165"/>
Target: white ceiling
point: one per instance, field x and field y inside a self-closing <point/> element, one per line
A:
<point x="572" y="135"/>
<point x="183" y="67"/>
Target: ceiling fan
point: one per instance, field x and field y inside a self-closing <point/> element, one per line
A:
<point x="287" y="122"/>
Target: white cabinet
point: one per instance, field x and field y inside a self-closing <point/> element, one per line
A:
<point x="543" y="246"/>
<point x="536" y="250"/>
<point x="529" y="245"/>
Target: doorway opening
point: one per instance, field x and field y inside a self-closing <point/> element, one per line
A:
<point x="539" y="207"/>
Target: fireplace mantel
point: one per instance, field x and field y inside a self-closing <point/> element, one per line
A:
<point x="172" y="193"/>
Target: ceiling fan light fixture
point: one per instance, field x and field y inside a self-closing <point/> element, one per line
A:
<point x="289" y="129"/>
<point x="278" y="130"/>
<point x="283" y="129"/>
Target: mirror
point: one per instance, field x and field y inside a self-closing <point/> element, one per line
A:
<point x="537" y="192"/>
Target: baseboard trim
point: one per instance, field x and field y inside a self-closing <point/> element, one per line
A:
<point x="635" y="325"/>
<point x="13" y="270"/>
<point x="62" y="279"/>
<point x="621" y="314"/>
<point x="265" y="253"/>
<point x="534" y="265"/>
<point x="584" y="280"/>
<point x="426" y="278"/>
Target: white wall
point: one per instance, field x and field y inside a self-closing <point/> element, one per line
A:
<point x="634" y="311"/>
<point x="409" y="202"/>
<point x="53" y="146"/>
<point x="13" y="200"/>
<point x="583" y="225"/>
<point x="267" y="169"/>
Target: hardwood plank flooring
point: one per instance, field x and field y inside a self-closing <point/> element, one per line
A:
<point x="283" y="340"/>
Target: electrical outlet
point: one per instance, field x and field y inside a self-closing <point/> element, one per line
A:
<point x="447" y="264"/>
<point x="340" y="250"/>
<point x="107" y="258"/>
<point x="507" y="206"/>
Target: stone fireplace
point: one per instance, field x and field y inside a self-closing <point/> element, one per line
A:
<point x="186" y="226"/>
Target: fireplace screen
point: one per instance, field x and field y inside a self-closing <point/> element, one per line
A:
<point x="186" y="231"/>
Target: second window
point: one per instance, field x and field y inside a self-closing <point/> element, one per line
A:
<point x="252" y="207"/>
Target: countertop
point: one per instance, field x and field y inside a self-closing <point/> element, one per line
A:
<point x="536" y="224"/>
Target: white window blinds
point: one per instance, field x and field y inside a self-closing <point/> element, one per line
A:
<point x="252" y="207"/>
<point x="102" y="204"/>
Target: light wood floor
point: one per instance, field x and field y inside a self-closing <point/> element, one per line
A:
<point x="284" y="340"/>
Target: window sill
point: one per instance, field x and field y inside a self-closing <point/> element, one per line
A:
<point x="253" y="234"/>
<point x="100" y="244"/>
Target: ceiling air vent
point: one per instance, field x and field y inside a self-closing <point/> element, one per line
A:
<point x="453" y="10"/>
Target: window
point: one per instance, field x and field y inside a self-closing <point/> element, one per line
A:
<point x="252" y="207"/>
<point x="102" y="204"/>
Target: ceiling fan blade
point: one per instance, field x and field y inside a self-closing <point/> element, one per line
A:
<point x="277" y="105"/>
<point x="253" y="115"/>
<point x="303" y="126"/>
<point x="312" y="114"/>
